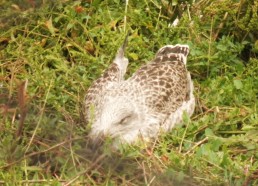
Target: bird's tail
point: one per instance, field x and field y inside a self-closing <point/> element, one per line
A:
<point x="120" y="58"/>
<point x="178" y="50"/>
<point x="121" y="50"/>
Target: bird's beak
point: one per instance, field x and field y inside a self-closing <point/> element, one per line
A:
<point x="96" y="141"/>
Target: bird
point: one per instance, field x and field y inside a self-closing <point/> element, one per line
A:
<point x="153" y="100"/>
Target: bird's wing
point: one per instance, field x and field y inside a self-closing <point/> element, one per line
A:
<point x="113" y="75"/>
<point x="164" y="81"/>
<point x="97" y="88"/>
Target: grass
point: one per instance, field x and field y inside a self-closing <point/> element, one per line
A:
<point x="51" y="52"/>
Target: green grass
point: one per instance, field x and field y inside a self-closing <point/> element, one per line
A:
<point x="51" y="52"/>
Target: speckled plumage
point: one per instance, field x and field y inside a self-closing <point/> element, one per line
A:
<point x="150" y="101"/>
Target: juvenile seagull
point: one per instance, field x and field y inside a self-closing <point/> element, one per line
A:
<point x="152" y="100"/>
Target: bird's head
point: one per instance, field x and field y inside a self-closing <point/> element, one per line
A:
<point x="118" y="119"/>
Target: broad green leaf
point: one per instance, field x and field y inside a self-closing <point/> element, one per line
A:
<point x="96" y="3"/>
<point x="134" y="56"/>
<point x="238" y="84"/>
<point x="209" y="132"/>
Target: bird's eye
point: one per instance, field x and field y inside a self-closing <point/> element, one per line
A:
<point x="124" y="120"/>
